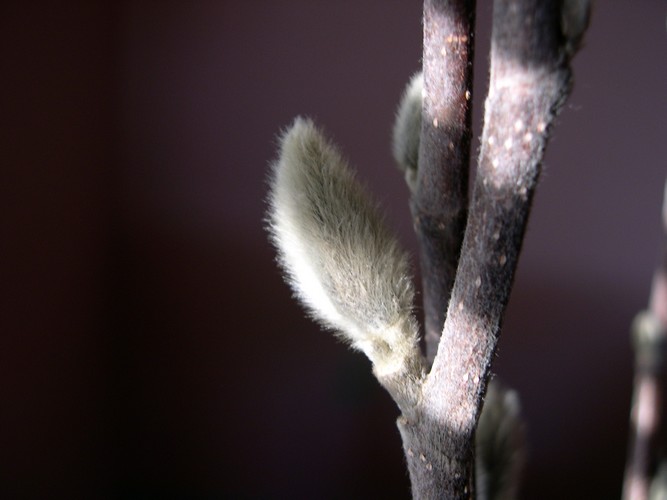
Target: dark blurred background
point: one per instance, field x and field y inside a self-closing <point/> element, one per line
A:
<point x="149" y="347"/>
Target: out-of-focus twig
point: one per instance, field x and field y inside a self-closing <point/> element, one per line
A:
<point x="649" y="335"/>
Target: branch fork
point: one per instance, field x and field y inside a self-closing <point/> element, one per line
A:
<point x="352" y="277"/>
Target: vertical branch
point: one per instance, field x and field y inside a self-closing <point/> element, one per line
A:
<point x="530" y="79"/>
<point x="440" y="201"/>
<point x="649" y="333"/>
<point x="351" y="276"/>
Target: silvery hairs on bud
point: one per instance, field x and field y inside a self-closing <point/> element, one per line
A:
<point x="339" y="258"/>
<point x="407" y="129"/>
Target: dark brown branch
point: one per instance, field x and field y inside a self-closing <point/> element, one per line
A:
<point x="440" y="201"/>
<point x="649" y="332"/>
<point x="530" y="79"/>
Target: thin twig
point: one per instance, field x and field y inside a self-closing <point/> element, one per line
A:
<point x="440" y="202"/>
<point x="649" y="332"/>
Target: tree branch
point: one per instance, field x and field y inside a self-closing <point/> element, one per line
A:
<point x="349" y="272"/>
<point x="530" y="78"/>
<point x="649" y="333"/>
<point x="439" y="204"/>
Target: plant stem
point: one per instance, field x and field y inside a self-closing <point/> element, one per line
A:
<point x="649" y="332"/>
<point x="530" y="78"/>
<point x="439" y="205"/>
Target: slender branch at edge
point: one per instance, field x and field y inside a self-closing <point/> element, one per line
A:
<point x="439" y="205"/>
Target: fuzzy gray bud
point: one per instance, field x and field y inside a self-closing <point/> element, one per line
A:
<point x="407" y="130"/>
<point x="575" y="15"/>
<point x="340" y="259"/>
<point x="499" y="444"/>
